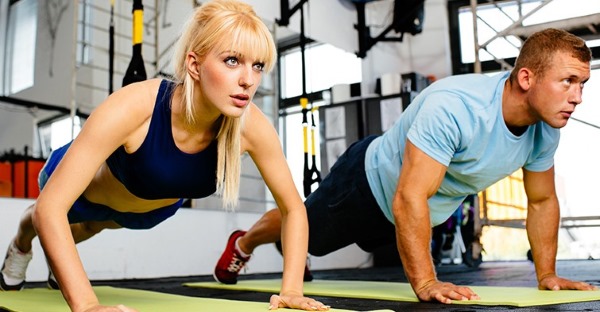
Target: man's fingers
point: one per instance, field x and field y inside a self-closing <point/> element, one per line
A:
<point x="446" y="292"/>
<point x="467" y="293"/>
<point x="558" y="283"/>
<point x="443" y="299"/>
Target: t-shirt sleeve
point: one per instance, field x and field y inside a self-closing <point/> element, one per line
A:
<point x="545" y="144"/>
<point x="435" y="129"/>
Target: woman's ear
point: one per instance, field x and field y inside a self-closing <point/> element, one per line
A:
<point x="192" y="63"/>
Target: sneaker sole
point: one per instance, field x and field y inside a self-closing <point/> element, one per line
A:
<point x="5" y="287"/>
<point x="222" y="282"/>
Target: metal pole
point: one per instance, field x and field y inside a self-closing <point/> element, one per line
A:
<point x="74" y="69"/>
<point x="477" y="63"/>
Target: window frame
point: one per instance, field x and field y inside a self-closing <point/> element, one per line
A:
<point x="458" y="67"/>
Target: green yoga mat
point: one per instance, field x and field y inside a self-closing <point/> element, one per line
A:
<point x="511" y="296"/>
<point x="40" y="299"/>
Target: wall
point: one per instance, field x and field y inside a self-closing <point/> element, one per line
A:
<point x="20" y="132"/>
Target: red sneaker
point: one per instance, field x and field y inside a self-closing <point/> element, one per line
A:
<point x="308" y="277"/>
<point x="231" y="262"/>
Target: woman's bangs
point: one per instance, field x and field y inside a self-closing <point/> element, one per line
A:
<point x="254" y="44"/>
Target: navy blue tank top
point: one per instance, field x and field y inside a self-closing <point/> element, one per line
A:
<point x="158" y="169"/>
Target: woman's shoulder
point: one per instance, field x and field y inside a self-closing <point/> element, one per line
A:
<point x="150" y="85"/>
<point x="142" y="92"/>
<point x="136" y="99"/>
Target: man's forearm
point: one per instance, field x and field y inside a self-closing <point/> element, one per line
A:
<point x="413" y="236"/>
<point x="542" y="230"/>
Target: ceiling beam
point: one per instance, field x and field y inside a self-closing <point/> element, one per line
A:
<point x="564" y="24"/>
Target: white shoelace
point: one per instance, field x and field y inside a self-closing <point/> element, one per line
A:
<point x="236" y="264"/>
<point x="15" y="265"/>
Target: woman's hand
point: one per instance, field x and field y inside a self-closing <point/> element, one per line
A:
<point x="118" y="308"/>
<point x="296" y="302"/>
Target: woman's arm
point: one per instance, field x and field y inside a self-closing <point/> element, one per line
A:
<point x="260" y="140"/>
<point x="112" y="124"/>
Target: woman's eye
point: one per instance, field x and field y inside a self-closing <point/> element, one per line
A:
<point x="259" y="66"/>
<point x="231" y="61"/>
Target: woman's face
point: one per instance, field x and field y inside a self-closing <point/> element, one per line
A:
<point x="228" y="81"/>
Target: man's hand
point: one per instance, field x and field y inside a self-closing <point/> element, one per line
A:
<point x="444" y="292"/>
<point x="296" y="302"/>
<point x="554" y="282"/>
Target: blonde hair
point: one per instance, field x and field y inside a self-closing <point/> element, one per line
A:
<point x="539" y="49"/>
<point x="223" y="25"/>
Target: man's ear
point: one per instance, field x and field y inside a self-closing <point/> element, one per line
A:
<point x="192" y="63"/>
<point x="525" y="78"/>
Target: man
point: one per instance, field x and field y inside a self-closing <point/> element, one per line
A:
<point x="459" y="136"/>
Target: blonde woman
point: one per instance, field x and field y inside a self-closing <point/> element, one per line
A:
<point x="155" y="142"/>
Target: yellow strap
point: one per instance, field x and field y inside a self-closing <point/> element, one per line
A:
<point x="138" y="26"/>
<point x="312" y="139"/>
<point x="303" y="103"/>
<point x="305" y="130"/>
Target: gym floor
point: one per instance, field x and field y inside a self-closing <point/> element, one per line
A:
<point x="513" y="273"/>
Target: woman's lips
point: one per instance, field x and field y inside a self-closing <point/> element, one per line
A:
<point x="240" y="100"/>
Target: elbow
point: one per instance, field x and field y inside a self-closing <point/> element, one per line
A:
<point x="401" y="206"/>
<point x="40" y="215"/>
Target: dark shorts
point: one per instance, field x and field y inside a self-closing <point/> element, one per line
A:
<point x="84" y="210"/>
<point x="342" y="210"/>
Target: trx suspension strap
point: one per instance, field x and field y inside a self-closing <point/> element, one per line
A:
<point x="312" y="174"/>
<point x="136" y="71"/>
<point x="111" y="47"/>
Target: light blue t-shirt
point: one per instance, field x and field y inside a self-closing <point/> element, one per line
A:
<point x="458" y="122"/>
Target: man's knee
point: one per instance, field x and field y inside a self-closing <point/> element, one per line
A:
<point x="317" y="252"/>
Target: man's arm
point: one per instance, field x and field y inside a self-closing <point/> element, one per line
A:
<point x="420" y="179"/>
<point x="543" y="218"/>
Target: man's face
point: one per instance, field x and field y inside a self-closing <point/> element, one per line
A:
<point x="553" y="96"/>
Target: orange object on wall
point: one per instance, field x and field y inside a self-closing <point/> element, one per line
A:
<point x="5" y="179"/>
<point x="25" y="181"/>
<point x="5" y="171"/>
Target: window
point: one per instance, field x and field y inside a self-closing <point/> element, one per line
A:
<point x="57" y="132"/>
<point x="517" y="18"/>
<point x="84" y="33"/>
<point x="20" y="45"/>
<point x="326" y="66"/>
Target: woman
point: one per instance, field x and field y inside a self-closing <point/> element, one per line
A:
<point x="155" y="142"/>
